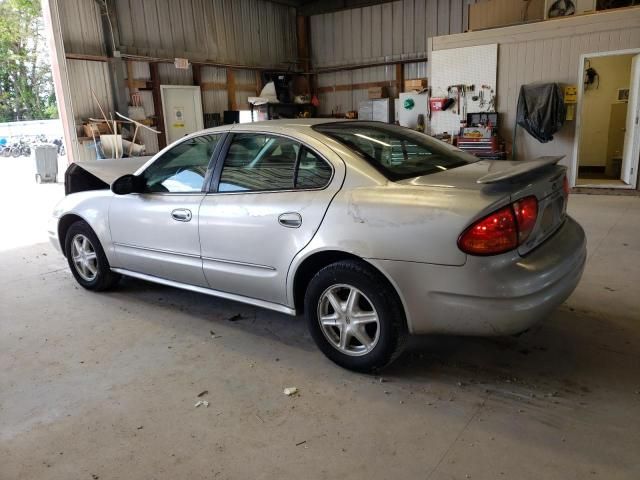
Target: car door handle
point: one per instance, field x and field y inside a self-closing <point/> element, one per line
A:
<point x="290" y="220"/>
<point x="181" y="214"/>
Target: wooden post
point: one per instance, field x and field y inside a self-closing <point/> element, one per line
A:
<point x="258" y="82"/>
<point x="304" y="49"/>
<point x="231" y="89"/>
<point x="196" y="70"/>
<point x="131" y="84"/>
<point x="399" y="78"/>
<point x="302" y="37"/>
<point x="157" y="104"/>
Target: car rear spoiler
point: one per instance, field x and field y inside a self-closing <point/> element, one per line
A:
<point x="516" y="169"/>
<point x="99" y="174"/>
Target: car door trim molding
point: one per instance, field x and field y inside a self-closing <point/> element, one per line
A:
<point x="157" y="250"/>
<point x="192" y="255"/>
<point x="243" y="264"/>
<point x="209" y="291"/>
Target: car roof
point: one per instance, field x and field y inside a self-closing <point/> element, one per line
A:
<point x="291" y="125"/>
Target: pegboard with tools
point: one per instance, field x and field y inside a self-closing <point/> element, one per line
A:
<point x="465" y="80"/>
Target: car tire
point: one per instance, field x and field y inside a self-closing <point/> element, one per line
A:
<point x="364" y="336"/>
<point x="86" y="258"/>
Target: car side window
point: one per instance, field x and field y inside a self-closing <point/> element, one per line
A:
<point x="183" y="168"/>
<point x="312" y="172"/>
<point x="259" y="162"/>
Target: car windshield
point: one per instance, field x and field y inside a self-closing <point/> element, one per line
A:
<point x="398" y="153"/>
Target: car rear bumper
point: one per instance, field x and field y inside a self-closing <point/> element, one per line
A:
<point x="498" y="295"/>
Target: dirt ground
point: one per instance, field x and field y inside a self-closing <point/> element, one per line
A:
<point x="104" y="386"/>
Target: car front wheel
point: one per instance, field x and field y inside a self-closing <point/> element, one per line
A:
<point x="86" y="258"/>
<point x="355" y="316"/>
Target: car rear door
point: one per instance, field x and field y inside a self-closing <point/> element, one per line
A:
<point x="269" y="196"/>
<point x="156" y="232"/>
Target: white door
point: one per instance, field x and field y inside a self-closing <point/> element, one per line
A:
<point x="182" y="109"/>
<point x="631" y="151"/>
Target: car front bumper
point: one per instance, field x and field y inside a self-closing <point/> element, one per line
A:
<point x="52" y="231"/>
<point x="498" y="295"/>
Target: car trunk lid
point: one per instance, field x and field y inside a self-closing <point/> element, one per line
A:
<point x="503" y="182"/>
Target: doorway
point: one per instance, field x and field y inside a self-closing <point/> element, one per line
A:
<point x="608" y="134"/>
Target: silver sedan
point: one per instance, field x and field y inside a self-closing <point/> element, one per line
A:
<point x="371" y="230"/>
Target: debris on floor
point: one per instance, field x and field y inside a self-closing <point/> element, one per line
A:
<point x="203" y="393"/>
<point x="289" y="391"/>
<point x="201" y="403"/>
<point x="235" y="318"/>
<point x="301" y="443"/>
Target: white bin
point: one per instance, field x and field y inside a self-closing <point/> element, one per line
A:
<point x="45" y="160"/>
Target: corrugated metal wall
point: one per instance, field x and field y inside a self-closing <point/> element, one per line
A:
<point x="248" y="32"/>
<point x="380" y="33"/>
<point x="548" y="52"/>
<point x="81" y="27"/>
<point x="390" y="31"/>
<point x="342" y="101"/>
<point x="85" y="77"/>
<point x="214" y="101"/>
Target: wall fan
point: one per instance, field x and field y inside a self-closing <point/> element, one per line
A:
<point x="561" y="8"/>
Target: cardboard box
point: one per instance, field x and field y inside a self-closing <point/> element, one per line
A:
<point x="377" y="92"/>
<point x="95" y="129"/>
<point x="415" y="84"/>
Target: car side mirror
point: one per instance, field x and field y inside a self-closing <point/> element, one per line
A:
<point x="127" y="184"/>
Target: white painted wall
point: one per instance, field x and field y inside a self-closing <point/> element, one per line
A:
<point x="548" y="51"/>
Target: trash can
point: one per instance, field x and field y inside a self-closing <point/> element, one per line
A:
<point x="45" y="159"/>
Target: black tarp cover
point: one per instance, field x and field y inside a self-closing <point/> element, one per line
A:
<point x="541" y="110"/>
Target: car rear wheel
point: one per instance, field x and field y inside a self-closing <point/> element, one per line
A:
<point x="87" y="260"/>
<point x="355" y="316"/>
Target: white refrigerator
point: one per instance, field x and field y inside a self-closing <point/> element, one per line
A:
<point x="410" y="105"/>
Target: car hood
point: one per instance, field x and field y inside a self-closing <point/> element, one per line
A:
<point x="99" y="174"/>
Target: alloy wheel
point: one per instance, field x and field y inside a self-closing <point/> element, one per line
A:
<point x="348" y="320"/>
<point x="84" y="257"/>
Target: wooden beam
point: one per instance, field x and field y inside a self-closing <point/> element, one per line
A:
<point x="357" y="86"/>
<point x="87" y="57"/>
<point x="198" y="61"/>
<point x="366" y="65"/>
<point x="157" y="104"/>
<point x="231" y="89"/>
<point x="240" y="87"/>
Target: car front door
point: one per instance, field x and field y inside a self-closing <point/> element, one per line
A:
<point x="269" y="196"/>
<point x="156" y="232"/>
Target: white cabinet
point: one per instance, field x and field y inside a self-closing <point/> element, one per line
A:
<point x="378" y="110"/>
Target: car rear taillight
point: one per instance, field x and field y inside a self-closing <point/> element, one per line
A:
<point x="565" y="186"/>
<point x="526" y="211"/>
<point x="502" y="230"/>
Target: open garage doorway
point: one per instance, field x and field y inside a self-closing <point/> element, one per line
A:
<point x="608" y="131"/>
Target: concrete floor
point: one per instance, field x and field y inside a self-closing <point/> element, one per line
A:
<point x="104" y="385"/>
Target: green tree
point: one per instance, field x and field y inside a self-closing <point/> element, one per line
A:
<point x="26" y="86"/>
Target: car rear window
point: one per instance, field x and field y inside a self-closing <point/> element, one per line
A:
<point x="397" y="152"/>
